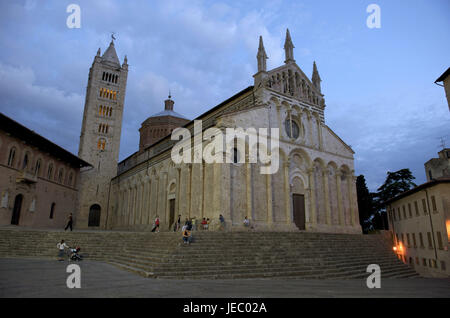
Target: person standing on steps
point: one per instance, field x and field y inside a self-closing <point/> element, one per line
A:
<point x="156" y="227"/>
<point x="188" y="225"/>
<point x="222" y="222"/>
<point x="204" y="224"/>
<point x="61" y="248"/>
<point x="178" y="224"/>
<point x="69" y="223"/>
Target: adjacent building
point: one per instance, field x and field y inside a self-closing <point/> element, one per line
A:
<point x="39" y="180"/>
<point x="438" y="167"/>
<point x="445" y="79"/>
<point x="419" y="220"/>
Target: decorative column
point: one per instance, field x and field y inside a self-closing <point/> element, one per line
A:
<point x="149" y="200"/>
<point x="177" y="201"/>
<point x="248" y="169"/>
<point x="311" y="136"/>
<point x="287" y="191"/>
<point x="312" y="186"/>
<point x="269" y="199"/>
<point x="327" y="195"/>
<point x="189" y="189"/>
<point x="319" y="131"/>
<point x="156" y="196"/>
<point x="339" y="195"/>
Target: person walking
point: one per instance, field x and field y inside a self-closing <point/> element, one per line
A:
<point x="69" y="223"/>
<point x="61" y="249"/>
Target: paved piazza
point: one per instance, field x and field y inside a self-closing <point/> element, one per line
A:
<point x="47" y="278"/>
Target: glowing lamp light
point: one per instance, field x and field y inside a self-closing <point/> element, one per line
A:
<point x="395" y="248"/>
<point x="447" y="224"/>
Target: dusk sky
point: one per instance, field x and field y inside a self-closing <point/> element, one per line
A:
<point x="378" y="83"/>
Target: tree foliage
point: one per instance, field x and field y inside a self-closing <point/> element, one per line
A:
<point x="372" y="206"/>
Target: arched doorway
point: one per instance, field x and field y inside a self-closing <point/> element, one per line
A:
<point x="94" y="215"/>
<point x="298" y="203"/>
<point x="16" y="210"/>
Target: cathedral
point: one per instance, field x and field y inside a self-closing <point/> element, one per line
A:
<point x="313" y="188"/>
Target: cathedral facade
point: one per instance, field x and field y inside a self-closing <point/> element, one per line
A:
<point x="313" y="188"/>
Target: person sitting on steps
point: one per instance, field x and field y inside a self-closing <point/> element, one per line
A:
<point x="187" y="236"/>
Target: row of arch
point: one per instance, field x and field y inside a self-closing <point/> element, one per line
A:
<point x="105" y="111"/>
<point x="108" y="93"/>
<point x="101" y="144"/>
<point x="291" y="83"/>
<point x="103" y="128"/>
<point x="108" y="77"/>
<point x="26" y="164"/>
<point x="327" y="187"/>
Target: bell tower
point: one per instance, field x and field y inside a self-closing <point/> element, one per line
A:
<point x="100" y="135"/>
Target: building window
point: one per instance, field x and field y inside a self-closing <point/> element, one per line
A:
<point x="12" y="156"/>
<point x="430" y="174"/>
<point x="25" y="161"/>
<point x="37" y="168"/>
<point x="417" y="261"/>
<point x="434" y="263"/>
<point x="424" y="206"/>
<point x="399" y="214"/>
<point x="424" y="262"/>
<point x="101" y="144"/>
<point x="292" y="128"/>
<point x="235" y="155"/>
<point x="407" y="239"/>
<point x="33" y="205"/>
<point x="433" y="204"/>
<point x="50" y="171"/>
<point x="414" y="239"/>
<point x="421" y="240"/>
<point x="443" y="265"/>
<point x="5" y="199"/>
<point x="52" y="210"/>
<point x="430" y="243"/>
<point x="409" y="210"/>
<point x="70" y="179"/>
<point x="439" y="239"/>
<point x="416" y="207"/>
<point x="60" y="175"/>
<point x="404" y="212"/>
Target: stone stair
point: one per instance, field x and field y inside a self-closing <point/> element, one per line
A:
<point x="218" y="255"/>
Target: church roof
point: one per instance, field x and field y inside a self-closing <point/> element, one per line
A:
<point x="168" y="113"/>
<point x="111" y="55"/>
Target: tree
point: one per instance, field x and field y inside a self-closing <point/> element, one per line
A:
<point x="396" y="183"/>
<point x="365" y="202"/>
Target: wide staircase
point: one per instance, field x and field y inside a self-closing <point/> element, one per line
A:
<point x="219" y="255"/>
